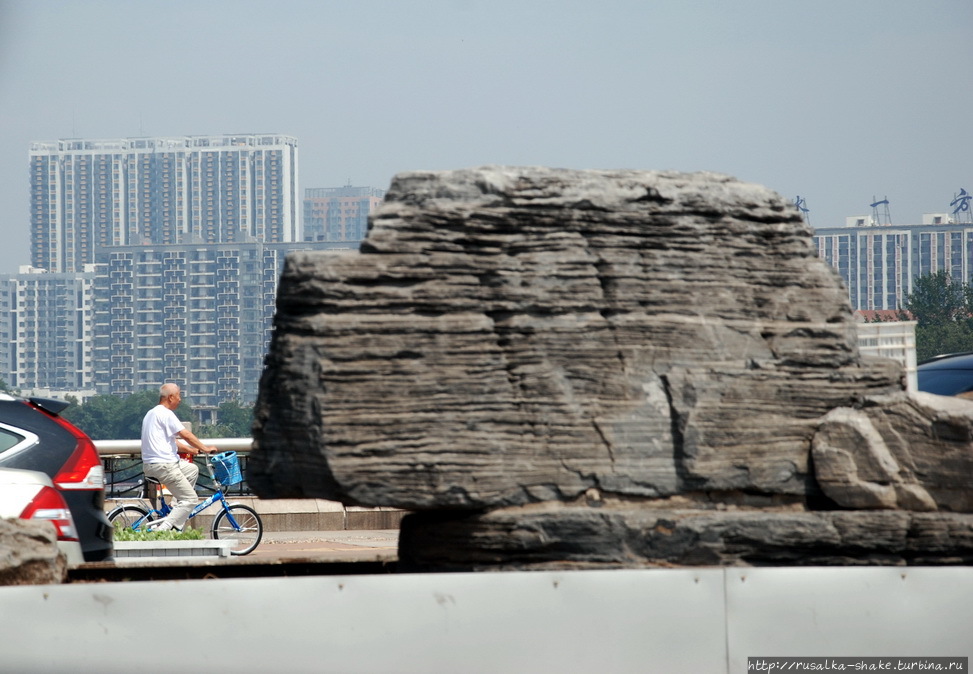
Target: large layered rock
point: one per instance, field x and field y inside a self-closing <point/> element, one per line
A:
<point x="517" y="336"/>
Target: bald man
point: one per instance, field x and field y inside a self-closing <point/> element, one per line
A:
<point x="161" y="429"/>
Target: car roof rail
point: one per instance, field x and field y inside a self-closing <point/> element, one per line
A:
<point x="943" y="356"/>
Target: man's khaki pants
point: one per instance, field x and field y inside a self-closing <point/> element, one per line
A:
<point x="179" y="478"/>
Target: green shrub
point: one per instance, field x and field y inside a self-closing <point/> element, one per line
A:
<point x="128" y="534"/>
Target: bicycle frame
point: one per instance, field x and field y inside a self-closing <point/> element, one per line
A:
<point x="218" y="496"/>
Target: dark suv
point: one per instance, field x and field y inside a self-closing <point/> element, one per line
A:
<point x="947" y="375"/>
<point x="34" y="437"/>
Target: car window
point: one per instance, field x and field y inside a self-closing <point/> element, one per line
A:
<point x="9" y="439"/>
<point x="13" y="440"/>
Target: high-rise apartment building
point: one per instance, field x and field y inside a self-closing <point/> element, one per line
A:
<point x="879" y="263"/>
<point x="339" y="214"/>
<point x="90" y="194"/>
<point x="46" y="330"/>
<point x="165" y="254"/>
<point x="197" y="315"/>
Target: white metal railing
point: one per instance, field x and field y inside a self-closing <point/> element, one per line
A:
<point x="133" y="447"/>
<point x="123" y="465"/>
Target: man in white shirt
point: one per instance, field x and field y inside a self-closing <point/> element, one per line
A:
<point x="160" y="456"/>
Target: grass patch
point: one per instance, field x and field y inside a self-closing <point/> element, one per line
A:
<point x="129" y="534"/>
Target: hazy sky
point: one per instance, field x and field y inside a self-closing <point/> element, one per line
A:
<point x="837" y="101"/>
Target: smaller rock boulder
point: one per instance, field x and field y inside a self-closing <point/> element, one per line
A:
<point x="901" y="451"/>
<point x="29" y="554"/>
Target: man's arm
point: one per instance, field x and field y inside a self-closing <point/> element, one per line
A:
<point x="191" y="442"/>
<point x="184" y="448"/>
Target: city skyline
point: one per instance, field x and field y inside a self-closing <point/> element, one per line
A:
<point x="162" y="259"/>
<point x="841" y="104"/>
<point x="91" y="194"/>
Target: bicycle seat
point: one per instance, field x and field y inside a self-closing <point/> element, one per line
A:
<point x="153" y="480"/>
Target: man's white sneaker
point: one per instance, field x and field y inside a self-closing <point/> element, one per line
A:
<point x="161" y="525"/>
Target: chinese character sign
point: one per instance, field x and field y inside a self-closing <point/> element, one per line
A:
<point x="801" y="204"/>
<point x="962" y="205"/>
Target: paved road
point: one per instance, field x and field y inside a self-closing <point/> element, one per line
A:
<point x="280" y="553"/>
<point x="356" y="545"/>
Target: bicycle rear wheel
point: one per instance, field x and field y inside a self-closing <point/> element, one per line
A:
<point x="246" y="535"/>
<point x="124" y="517"/>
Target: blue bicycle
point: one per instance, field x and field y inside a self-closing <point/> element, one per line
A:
<point x="236" y="522"/>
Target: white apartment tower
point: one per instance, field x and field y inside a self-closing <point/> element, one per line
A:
<point x="87" y="195"/>
<point x="46" y="330"/>
<point x="879" y="263"/>
<point x="197" y="315"/>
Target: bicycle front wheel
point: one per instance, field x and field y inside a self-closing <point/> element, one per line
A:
<point x="124" y="517"/>
<point x="246" y="534"/>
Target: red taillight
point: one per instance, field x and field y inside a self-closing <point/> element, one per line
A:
<point x="83" y="469"/>
<point x="49" y="505"/>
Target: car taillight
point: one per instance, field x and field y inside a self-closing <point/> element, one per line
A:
<point x="49" y="505"/>
<point x="83" y="469"/>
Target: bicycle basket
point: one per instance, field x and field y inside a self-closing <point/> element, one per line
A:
<point x="226" y="466"/>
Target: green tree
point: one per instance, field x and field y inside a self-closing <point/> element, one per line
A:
<point x="97" y="416"/>
<point x="235" y="421"/>
<point x="108" y="417"/>
<point x="935" y="340"/>
<point x="943" y="311"/>
<point x="134" y="407"/>
<point x="239" y="418"/>
<point x="936" y="300"/>
<point x="211" y="431"/>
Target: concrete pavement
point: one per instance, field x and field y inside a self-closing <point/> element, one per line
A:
<point x="280" y="553"/>
<point x="341" y="545"/>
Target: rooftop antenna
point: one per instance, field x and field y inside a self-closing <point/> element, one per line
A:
<point x="962" y="205"/>
<point x="878" y="216"/>
<point x="801" y="204"/>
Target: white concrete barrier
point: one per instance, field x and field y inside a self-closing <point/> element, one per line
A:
<point x="705" y="620"/>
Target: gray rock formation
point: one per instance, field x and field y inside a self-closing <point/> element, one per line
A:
<point x="909" y="452"/>
<point x="556" y="536"/>
<point x="29" y="554"/>
<point x="513" y="337"/>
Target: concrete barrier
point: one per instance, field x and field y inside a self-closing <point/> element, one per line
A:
<point x="688" y="620"/>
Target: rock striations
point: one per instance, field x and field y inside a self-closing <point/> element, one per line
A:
<point x="621" y="368"/>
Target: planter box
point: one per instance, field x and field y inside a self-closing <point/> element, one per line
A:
<point x="144" y="551"/>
